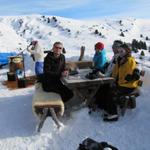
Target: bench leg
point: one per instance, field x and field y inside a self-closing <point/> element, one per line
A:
<point x="132" y="102"/>
<point x="124" y="106"/>
<point x="43" y="118"/>
<point x="54" y="117"/>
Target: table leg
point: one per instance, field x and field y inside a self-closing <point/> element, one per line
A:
<point x="87" y="94"/>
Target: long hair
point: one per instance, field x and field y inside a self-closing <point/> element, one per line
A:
<point x="122" y="60"/>
<point x="127" y="48"/>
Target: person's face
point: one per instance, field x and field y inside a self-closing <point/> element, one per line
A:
<point x="57" y="49"/>
<point x="121" y="52"/>
<point x="96" y="49"/>
<point x="115" y="49"/>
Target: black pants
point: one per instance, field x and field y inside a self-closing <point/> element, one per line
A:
<point x="59" y="88"/>
<point x="106" y="97"/>
<point x="101" y="95"/>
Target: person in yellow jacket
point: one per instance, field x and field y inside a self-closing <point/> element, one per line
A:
<point x="125" y="71"/>
<point x="126" y="77"/>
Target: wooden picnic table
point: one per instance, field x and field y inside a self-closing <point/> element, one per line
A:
<point x="83" y="87"/>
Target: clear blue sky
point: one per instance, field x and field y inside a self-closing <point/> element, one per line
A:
<point x="78" y="9"/>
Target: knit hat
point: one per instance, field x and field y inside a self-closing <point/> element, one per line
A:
<point x="117" y="44"/>
<point x="99" y="46"/>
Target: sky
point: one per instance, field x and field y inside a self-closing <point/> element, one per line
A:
<point x="77" y="9"/>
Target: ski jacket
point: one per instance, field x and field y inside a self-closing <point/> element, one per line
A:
<point x="120" y="73"/>
<point x="99" y="59"/>
<point x="37" y="52"/>
<point x="53" y="67"/>
<point x="111" y="65"/>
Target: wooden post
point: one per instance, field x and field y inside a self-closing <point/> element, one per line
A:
<point x="82" y="53"/>
<point x="23" y="65"/>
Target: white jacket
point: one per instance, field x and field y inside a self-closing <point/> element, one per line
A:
<point x="37" y="52"/>
<point x="111" y="65"/>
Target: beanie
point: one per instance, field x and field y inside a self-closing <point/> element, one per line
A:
<point x="99" y="46"/>
<point x="117" y="44"/>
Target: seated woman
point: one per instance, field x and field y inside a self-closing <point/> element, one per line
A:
<point x="126" y="80"/>
<point x="111" y="64"/>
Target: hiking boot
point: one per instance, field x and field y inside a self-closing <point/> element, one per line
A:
<point x="110" y="118"/>
<point x="132" y="103"/>
<point x="105" y="114"/>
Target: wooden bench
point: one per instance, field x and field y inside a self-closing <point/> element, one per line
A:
<point x="46" y="104"/>
<point x="128" y="101"/>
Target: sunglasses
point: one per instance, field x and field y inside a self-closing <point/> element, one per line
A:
<point x="57" y="47"/>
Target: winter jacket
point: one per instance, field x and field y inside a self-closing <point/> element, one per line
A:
<point x="53" y="67"/>
<point x="99" y="59"/>
<point x="37" y="52"/>
<point x="111" y="65"/>
<point x="121" y="72"/>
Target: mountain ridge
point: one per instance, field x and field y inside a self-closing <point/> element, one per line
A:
<point x="18" y="31"/>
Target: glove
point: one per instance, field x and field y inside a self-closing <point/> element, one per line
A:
<point x="91" y="76"/>
<point x="94" y="71"/>
<point x="136" y="74"/>
<point x="129" y="77"/>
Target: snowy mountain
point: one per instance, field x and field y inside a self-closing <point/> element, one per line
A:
<point x="73" y="33"/>
<point x="17" y="122"/>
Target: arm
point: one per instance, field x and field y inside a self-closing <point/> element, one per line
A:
<point x="30" y="49"/>
<point x="102" y="59"/>
<point x="134" y="76"/>
<point x="99" y="60"/>
<point x="115" y="71"/>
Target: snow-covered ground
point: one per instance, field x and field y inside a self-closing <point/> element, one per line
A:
<point x="17" y="122"/>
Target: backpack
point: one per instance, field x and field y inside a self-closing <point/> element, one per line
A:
<point x="90" y="144"/>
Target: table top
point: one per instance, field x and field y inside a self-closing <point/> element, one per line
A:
<point x="79" y="80"/>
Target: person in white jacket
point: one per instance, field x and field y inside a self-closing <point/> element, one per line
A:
<point x="36" y="51"/>
<point x="116" y="45"/>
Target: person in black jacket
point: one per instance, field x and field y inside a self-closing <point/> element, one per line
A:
<point x="54" y="69"/>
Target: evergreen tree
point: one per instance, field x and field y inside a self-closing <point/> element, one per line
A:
<point x="147" y="38"/>
<point x="144" y="46"/>
<point x="54" y="18"/>
<point x="149" y="48"/>
<point x="135" y="50"/>
<point x="96" y="31"/>
<point x="134" y="44"/>
<point x="140" y="45"/>
<point x="48" y="20"/>
<point x="142" y="53"/>
<point x="120" y="22"/>
<point x="122" y="34"/>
